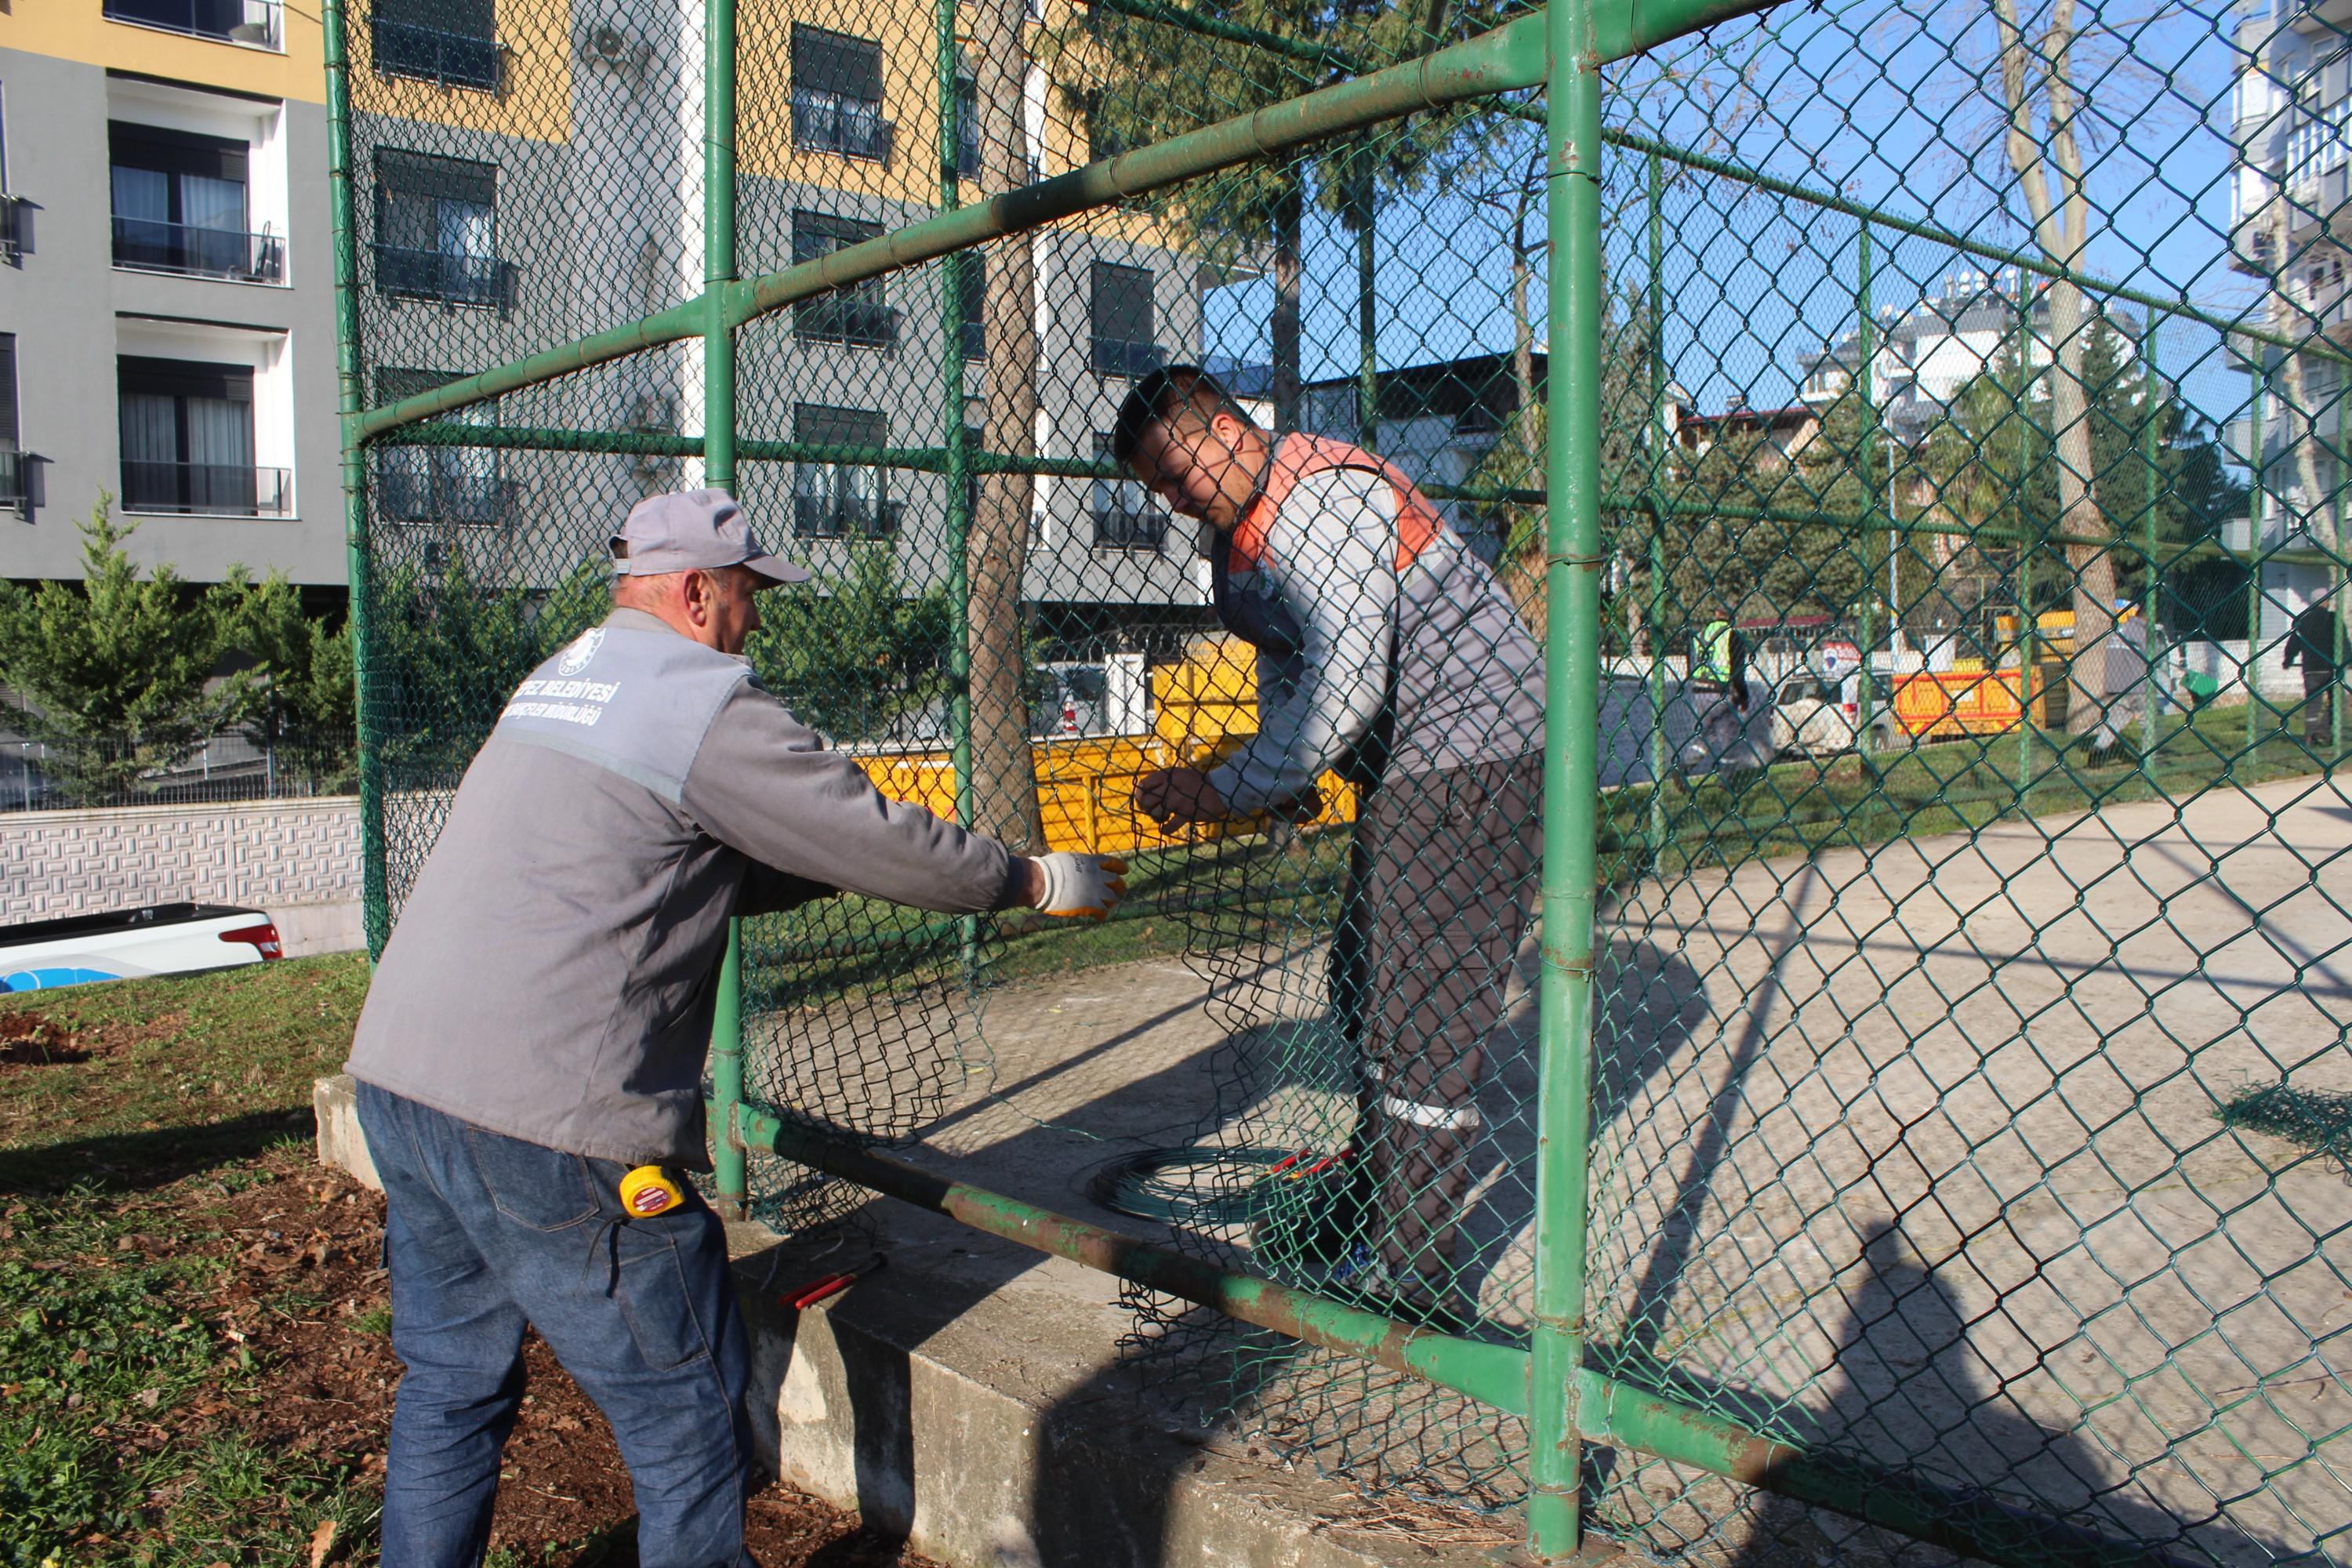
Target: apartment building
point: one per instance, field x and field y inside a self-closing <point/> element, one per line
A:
<point x="166" y="287"/>
<point x="528" y="172"/>
<point x="2292" y="139"/>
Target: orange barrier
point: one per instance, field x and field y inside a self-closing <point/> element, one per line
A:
<point x="1937" y="705"/>
<point x="1203" y="709"/>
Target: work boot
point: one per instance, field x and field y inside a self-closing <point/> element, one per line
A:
<point x="1311" y="1215"/>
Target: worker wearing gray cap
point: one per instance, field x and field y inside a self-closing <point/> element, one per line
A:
<point x="530" y="1056"/>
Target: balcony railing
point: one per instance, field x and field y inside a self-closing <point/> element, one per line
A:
<point x="440" y="496"/>
<point x="447" y="277"/>
<point x="14" y="496"/>
<point x="818" y="517"/>
<point x="429" y="54"/>
<point x="1118" y="356"/>
<point x="258" y="23"/>
<point x="860" y="323"/>
<point x="12" y="227"/>
<point x="1118" y="529"/>
<point x="156" y="246"/>
<point x="208" y="490"/>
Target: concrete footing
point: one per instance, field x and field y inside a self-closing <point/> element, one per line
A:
<point x="972" y="1395"/>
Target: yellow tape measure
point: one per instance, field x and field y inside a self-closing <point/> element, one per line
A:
<point x="648" y="1191"/>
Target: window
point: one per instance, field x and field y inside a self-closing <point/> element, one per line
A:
<point x="180" y="206"/>
<point x="453" y="42"/>
<point x="967" y="102"/>
<point x="837" y="94"/>
<point x="1122" y="320"/>
<point x="2317" y="143"/>
<point x="970" y="269"/>
<point x="437" y="231"/>
<point x="187" y="440"/>
<point x="856" y="315"/>
<point x="255" y="22"/>
<point x="438" y="484"/>
<point x="840" y="500"/>
<point x="13" y="497"/>
<point x="1125" y="516"/>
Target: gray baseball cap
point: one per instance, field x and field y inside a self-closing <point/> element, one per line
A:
<point x="688" y="530"/>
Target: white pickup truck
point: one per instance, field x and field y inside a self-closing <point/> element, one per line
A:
<point x="162" y="938"/>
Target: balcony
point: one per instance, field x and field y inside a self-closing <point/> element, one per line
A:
<point x="151" y="245"/>
<point x="2318" y="17"/>
<point x="1117" y="528"/>
<point x="820" y="517"/>
<point x="447" y="277"/>
<point x="16" y="497"/>
<point x="858" y="323"/>
<point x="436" y="495"/>
<point x="429" y="54"/>
<point x="256" y="24"/>
<point x="1119" y="356"/>
<point x="206" y="490"/>
<point x="12" y="227"/>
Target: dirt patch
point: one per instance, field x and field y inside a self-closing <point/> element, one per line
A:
<point x="29" y="1038"/>
<point x="329" y="1374"/>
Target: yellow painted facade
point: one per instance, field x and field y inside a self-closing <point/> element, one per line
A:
<point x="533" y="100"/>
<point x="77" y="30"/>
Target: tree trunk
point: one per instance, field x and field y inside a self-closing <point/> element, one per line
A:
<point x="1523" y="572"/>
<point x="1003" y="775"/>
<point x="1289" y="222"/>
<point x="2051" y="178"/>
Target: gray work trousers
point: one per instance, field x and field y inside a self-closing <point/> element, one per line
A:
<point x="1440" y="879"/>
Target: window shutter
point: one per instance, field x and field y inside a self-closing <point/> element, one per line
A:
<point x="819" y="424"/>
<point x="175" y="151"/>
<point x="835" y="62"/>
<point x="185" y="378"/>
<point x="1122" y="303"/>
<point x="8" y="432"/>
<point x="443" y="179"/>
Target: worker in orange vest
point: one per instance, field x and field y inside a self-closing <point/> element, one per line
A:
<point x="1388" y="653"/>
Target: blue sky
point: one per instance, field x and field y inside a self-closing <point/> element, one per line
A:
<point x="1867" y="98"/>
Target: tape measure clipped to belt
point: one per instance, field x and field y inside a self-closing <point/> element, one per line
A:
<point x="649" y="1190"/>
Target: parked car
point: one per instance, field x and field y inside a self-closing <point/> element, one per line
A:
<point x="161" y="939"/>
<point x="1813" y="719"/>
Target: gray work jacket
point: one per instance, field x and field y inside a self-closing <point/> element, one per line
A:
<point x="554" y="970"/>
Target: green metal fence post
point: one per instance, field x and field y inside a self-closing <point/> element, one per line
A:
<point x="1658" y="456"/>
<point x="2029" y="546"/>
<point x="1572" y="676"/>
<point x="1368" y="357"/>
<point x="2258" y="371"/>
<point x="1867" y="336"/>
<point x="2148" y="440"/>
<point x="730" y="1168"/>
<point x="375" y="893"/>
<point x="957" y="443"/>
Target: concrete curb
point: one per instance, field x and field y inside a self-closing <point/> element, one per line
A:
<point x="973" y="1398"/>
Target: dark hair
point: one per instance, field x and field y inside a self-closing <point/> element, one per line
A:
<point x="1156" y="398"/>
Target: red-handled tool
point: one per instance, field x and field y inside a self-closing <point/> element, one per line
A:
<point x="831" y="1285"/>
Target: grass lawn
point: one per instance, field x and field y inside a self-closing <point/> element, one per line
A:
<point x="195" y="1364"/>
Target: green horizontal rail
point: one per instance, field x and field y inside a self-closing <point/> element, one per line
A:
<point x="1495" y="1376"/>
<point x="1512" y="56"/>
<point x="934" y="460"/>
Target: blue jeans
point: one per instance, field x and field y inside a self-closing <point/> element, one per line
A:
<point x="484" y="1234"/>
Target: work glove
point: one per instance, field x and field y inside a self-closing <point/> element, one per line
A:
<point x="1081" y="886"/>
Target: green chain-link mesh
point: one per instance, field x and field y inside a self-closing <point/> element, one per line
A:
<point x="1969" y="979"/>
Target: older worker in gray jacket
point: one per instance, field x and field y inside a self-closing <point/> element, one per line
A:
<point x="534" y="1035"/>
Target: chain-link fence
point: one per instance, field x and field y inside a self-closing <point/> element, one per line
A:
<point x="1912" y="435"/>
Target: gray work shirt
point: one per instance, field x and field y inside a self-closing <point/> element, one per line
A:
<point x="554" y="970"/>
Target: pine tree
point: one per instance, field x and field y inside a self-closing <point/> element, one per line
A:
<point x="118" y="668"/>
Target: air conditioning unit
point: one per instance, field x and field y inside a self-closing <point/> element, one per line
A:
<point x="610" y="44"/>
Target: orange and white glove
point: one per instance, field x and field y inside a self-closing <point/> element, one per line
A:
<point x="1081" y="887"/>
